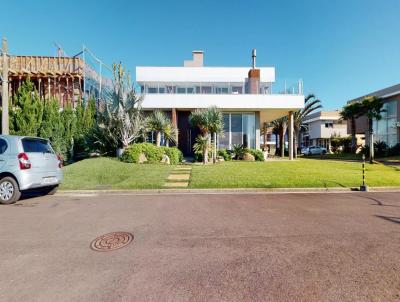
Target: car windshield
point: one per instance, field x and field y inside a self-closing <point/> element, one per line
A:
<point x="36" y="145"/>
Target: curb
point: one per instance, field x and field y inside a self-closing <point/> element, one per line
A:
<point x="230" y="191"/>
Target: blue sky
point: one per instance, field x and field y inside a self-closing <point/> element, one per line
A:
<point x="341" y="49"/>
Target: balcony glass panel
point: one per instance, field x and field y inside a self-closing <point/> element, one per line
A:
<point x="181" y="90"/>
<point x="237" y="90"/>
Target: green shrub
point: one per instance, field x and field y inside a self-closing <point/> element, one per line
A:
<point x="225" y="154"/>
<point x="175" y="155"/>
<point x="258" y="154"/>
<point x="153" y="153"/>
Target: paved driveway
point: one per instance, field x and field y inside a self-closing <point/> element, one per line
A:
<point x="199" y="247"/>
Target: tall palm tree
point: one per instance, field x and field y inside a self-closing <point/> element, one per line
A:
<point x="161" y="124"/>
<point x="351" y="112"/>
<point x="280" y="126"/>
<point x="372" y="107"/>
<point x="311" y="103"/>
<point x="210" y="122"/>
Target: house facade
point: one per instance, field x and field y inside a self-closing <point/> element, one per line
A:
<point x="244" y="95"/>
<point x="321" y="127"/>
<point x="386" y="129"/>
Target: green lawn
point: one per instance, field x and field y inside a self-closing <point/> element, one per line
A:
<point x="301" y="173"/>
<point x="107" y="173"/>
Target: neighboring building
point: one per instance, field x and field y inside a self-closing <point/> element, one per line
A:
<point x="388" y="128"/>
<point x="321" y="127"/>
<point x="243" y="94"/>
<point x="67" y="79"/>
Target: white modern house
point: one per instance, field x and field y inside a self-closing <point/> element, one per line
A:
<point x="244" y="95"/>
<point x="321" y="127"/>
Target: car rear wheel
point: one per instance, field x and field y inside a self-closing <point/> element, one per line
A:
<point x="9" y="190"/>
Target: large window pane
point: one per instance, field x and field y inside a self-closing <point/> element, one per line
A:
<point x="236" y="129"/>
<point x="249" y="137"/>
<point x="224" y="138"/>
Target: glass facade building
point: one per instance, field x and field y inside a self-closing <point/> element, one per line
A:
<point x="385" y="129"/>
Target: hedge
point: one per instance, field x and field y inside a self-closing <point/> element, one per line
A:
<point x="153" y="153"/>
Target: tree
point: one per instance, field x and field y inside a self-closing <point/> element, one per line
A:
<point x="310" y="105"/>
<point x="351" y="112"/>
<point x="27" y="115"/>
<point x="280" y="126"/>
<point x="161" y="124"/>
<point x="210" y="122"/>
<point x="120" y="122"/>
<point x="372" y="107"/>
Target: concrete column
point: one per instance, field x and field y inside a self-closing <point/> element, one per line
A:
<point x="291" y="127"/>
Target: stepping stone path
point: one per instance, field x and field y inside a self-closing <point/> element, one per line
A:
<point x="179" y="177"/>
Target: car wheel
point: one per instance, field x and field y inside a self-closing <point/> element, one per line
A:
<point x="9" y="190"/>
<point x="51" y="190"/>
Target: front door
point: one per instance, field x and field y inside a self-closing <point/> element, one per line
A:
<point x="187" y="134"/>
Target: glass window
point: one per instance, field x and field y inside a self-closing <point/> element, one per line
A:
<point x="190" y="90"/>
<point x="224" y="138"/>
<point x="181" y="90"/>
<point x="36" y="145"/>
<point x="170" y="89"/>
<point x="3" y="146"/>
<point x="249" y="130"/>
<point x="237" y="90"/>
<point x="151" y="90"/>
<point x="206" y="89"/>
<point x="161" y="90"/>
<point x="236" y="129"/>
<point x="221" y="90"/>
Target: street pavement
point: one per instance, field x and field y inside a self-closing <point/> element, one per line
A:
<point x="203" y="247"/>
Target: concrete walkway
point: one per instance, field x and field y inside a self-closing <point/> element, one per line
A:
<point x="179" y="177"/>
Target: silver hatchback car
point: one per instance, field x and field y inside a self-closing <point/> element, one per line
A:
<point x="27" y="163"/>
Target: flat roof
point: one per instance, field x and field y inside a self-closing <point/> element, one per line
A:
<point x="383" y="93"/>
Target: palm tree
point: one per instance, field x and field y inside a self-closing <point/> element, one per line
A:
<point x="310" y="105"/>
<point x="202" y="146"/>
<point x="210" y="122"/>
<point x="351" y="112"/>
<point x="161" y="124"/>
<point x="372" y="107"/>
<point x="280" y="126"/>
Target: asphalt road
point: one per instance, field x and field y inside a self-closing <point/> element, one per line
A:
<point x="203" y="247"/>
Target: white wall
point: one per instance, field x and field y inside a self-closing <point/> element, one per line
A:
<point x="200" y="74"/>
<point x="254" y="102"/>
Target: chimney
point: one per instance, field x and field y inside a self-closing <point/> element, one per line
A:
<point x="198" y="56"/>
<point x="254" y="76"/>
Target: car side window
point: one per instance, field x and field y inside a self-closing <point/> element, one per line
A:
<point x="3" y="146"/>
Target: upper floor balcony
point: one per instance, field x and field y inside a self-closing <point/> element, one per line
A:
<point x="295" y="87"/>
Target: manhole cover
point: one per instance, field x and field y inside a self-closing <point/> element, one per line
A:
<point x="111" y="241"/>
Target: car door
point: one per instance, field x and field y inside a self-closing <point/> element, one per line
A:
<point x="3" y="149"/>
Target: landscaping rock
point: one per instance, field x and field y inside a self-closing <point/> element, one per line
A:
<point x="165" y="159"/>
<point x="248" y="157"/>
<point x="142" y="158"/>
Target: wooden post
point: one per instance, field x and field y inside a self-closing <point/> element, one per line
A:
<point x="4" y="85"/>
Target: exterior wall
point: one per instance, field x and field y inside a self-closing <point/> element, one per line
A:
<point x="200" y="74"/>
<point x="224" y="101"/>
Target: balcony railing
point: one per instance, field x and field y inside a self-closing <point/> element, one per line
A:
<point x="227" y="88"/>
